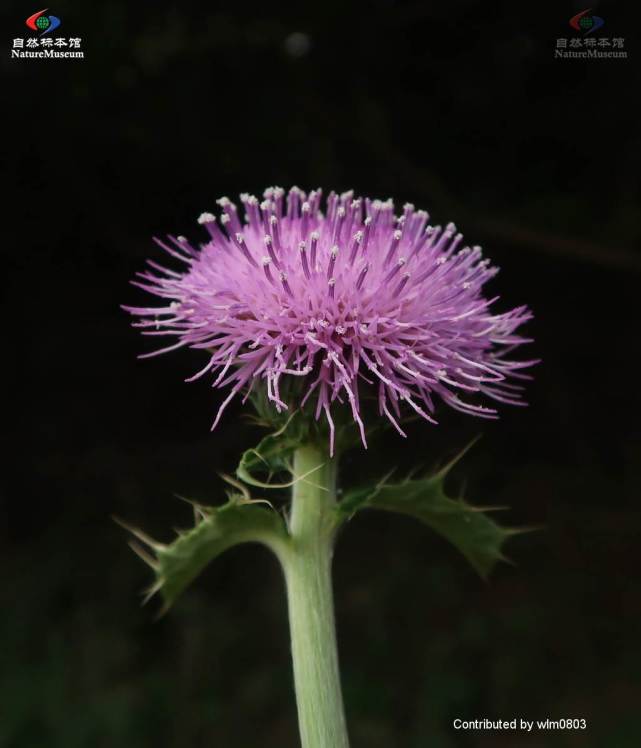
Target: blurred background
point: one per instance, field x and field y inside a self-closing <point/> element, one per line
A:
<point x="460" y="108"/>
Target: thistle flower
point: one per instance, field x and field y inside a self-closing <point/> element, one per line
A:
<point x="355" y="296"/>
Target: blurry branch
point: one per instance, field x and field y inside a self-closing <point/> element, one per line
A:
<point x="422" y="182"/>
<point x="540" y="241"/>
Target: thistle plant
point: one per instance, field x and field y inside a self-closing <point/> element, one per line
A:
<point x="332" y="320"/>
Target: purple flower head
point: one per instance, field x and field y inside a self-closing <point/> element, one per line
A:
<point x="352" y="297"/>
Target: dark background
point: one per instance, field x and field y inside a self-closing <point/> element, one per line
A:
<point x="458" y="107"/>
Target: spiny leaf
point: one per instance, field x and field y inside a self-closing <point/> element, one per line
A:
<point x="273" y="455"/>
<point x="176" y="564"/>
<point x="467" y="527"/>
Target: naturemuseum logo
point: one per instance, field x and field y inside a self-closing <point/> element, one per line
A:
<point x="39" y="22"/>
<point x="583" y="21"/>
<point x="585" y="47"/>
<point x="49" y="47"/>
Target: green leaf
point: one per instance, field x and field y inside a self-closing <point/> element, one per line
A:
<point x="176" y="564"/>
<point x="300" y="425"/>
<point x="273" y="455"/>
<point x="467" y="527"/>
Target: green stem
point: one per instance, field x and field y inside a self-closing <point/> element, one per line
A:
<point x="307" y="568"/>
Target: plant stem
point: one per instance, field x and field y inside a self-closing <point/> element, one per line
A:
<point x="307" y="568"/>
